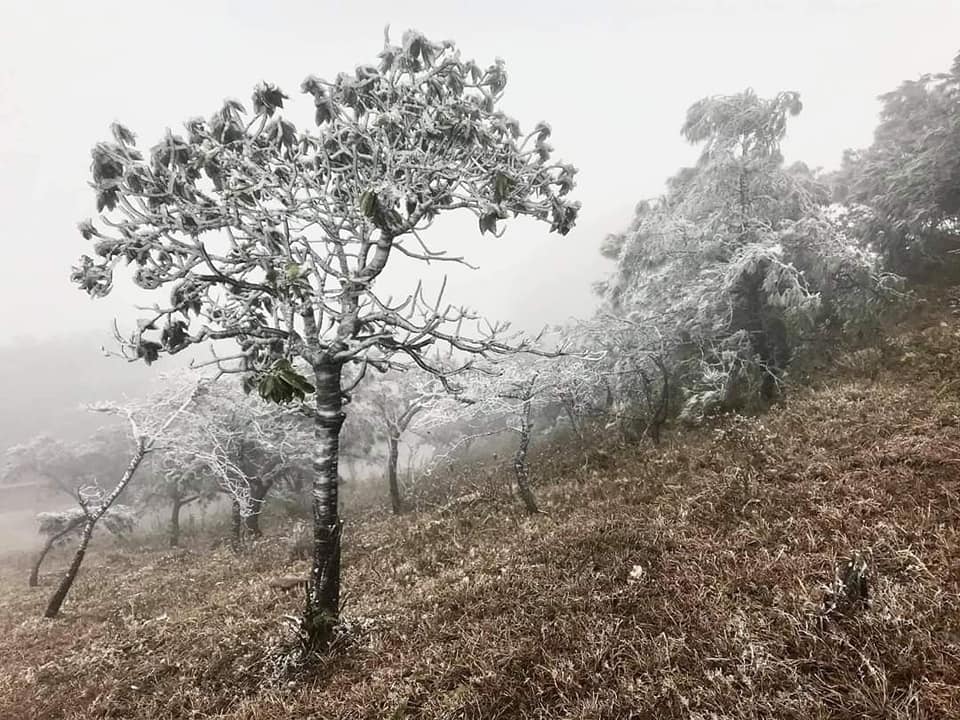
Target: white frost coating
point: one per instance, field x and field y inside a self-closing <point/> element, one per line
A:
<point x="505" y="389"/>
<point x="321" y="456"/>
<point x="210" y="439"/>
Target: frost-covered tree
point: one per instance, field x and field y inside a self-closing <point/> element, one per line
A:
<point x="716" y="271"/>
<point x="148" y="424"/>
<point x="180" y="485"/>
<point x="67" y="464"/>
<point x="909" y="177"/>
<point x="394" y="402"/>
<point x="622" y="380"/>
<point x="273" y="237"/>
<point x="516" y="391"/>
<point x="59" y="527"/>
<point x="238" y="445"/>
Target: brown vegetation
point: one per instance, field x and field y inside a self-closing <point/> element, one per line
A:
<point x="708" y="578"/>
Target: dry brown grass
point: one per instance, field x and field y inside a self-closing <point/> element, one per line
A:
<point x="683" y="583"/>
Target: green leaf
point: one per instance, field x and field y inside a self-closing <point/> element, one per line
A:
<point x="368" y="203"/>
<point x="325" y="109"/>
<point x="149" y="351"/>
<point x="502" y="185"/>
<point x="174" y="335"/>
<point x="282" y="383"/>
<point x="297" y="381"/>
<point x="87" y="229"/>
<point x="488" y="221"/>
<point x="122" y="134"/>
<point x="267" y="97"/>
<point x="267" y="387"/>
<point x="107" y="198"/>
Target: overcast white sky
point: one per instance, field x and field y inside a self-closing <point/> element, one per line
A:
<point x="613" y="78"/>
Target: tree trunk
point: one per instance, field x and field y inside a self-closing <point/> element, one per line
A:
<point x="767" y="335"/>
<point x="258" y="494"/>
<point x="35" y="570"/>
<point x="393" y="445"/>
<point x="175" y="522"/>
<point x="236" y="525"/>
<point x="53" y="607"/>
<point x="323" y="596"/>
<point x="34" y="580"/>
<point x="572" y="416"/>
<point x="663" y="409"/>
<point x="252" y="524"/>
<point x="520" y="460"/>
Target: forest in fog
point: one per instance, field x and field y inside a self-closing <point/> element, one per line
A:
<point x="302" y="479"/>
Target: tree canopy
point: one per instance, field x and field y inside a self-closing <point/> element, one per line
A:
<point x="909" y="177"/>
<point x="273" y="236"/>
<point x="724" y="272"/>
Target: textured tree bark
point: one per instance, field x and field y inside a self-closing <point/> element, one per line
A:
<point x="56" y="601"/>
<point x="520" y="459"/>
<point x="258" y="494"/>
<point x="323" y="595"/>
<point x="393" y="445"/>
<point x="178" y="503"/>
<point x="236" y="525"/>
<point x="93" y="515"/>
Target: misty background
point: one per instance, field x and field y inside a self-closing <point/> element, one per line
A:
<point x="613" y="78"/>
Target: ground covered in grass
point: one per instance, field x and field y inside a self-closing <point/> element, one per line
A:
<point x="688" y="581"/>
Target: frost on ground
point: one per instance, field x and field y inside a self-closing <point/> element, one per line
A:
<point x="717" y="577"/>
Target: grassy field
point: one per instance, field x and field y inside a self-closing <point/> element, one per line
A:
<point x="691" y="581"/>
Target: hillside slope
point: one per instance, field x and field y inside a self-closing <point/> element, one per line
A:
<point x="686" y="582"/>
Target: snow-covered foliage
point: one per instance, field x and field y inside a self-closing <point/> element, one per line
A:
<point x="272" y="235"/>
<point x="237" y="442"/>
<point x="909" y="177"/>
<point x="66" y="465"/>
<point x="118" y="519"/>
<point x="740" y="258"/>
<point x="509" y="396"/>
<point x="150" y="424"/>
<point x="399" y="406"/>
<point x="621" y="374"/>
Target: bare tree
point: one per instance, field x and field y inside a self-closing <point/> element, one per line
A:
<point x="59" y="526"/>
<point x="273" y="237"/>
<point x="518" y="389"/>
<point x="396" y="400"/>
<point x="181" y="483"/>
<point x="94" y="503"/>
